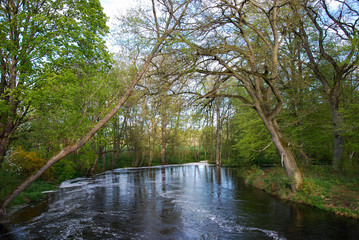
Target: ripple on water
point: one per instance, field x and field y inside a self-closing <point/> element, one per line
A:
<point x="173" y="202"/>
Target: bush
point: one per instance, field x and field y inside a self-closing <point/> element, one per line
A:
<point x="65" y="170"/>
<point x="26" y="163"/>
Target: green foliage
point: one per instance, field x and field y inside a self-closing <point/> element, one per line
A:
<point x="33" y="193"/>
<point x="9" y="180"/>
<point x="26" y="163"/>
<point x="55" y="50"/>
<point x="350" y="129"/>
<point x="252" y="142"/>
<point x="323" y="188"/>
<point x="308" y="128"/>
<point x="65" y="170"/>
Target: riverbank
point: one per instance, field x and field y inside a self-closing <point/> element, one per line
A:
<point x="35" y="192"/>
<point x="323" y="188"/>
<point x="32" y="194"/>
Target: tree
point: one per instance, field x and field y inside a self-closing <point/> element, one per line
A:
<point x="173" y="18"/>
<point x="34" y="34"/>
<point x="251" y="144"/>
<point x="329" y="35"/>
<point x="222" y="112"/>
<point x="242" y="42"/>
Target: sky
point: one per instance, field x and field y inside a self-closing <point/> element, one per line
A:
<point x="115" y="7"/>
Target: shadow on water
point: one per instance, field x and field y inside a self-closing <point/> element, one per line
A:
<point x="172" y="202"/>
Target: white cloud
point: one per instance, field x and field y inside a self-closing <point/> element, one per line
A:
<point x="115" y="7"/>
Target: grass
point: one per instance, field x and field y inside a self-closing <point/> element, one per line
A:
<point x="33" y="193"/>
<point x="322" y="188"/>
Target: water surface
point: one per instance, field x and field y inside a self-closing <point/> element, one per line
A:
<point x="172" y="202"/>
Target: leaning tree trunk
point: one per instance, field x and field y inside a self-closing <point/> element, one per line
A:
<point x="71" y="148"/>
<point x="287" y="157"/>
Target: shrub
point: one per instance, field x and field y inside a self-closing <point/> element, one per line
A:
<point x="26" y="163"/>
<point x="65" y="170"/>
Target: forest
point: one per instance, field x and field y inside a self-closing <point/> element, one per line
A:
<point x="239" y="83"/>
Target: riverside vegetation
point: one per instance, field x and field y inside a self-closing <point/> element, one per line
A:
<point x="323" y="188"/>
<point x="233" y="82"/>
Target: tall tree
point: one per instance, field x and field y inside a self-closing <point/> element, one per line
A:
<point x="34" y="34"/>
<point x="172" y="18"/>
<point x="329" y="34"/>
<point x="242" y="42"/>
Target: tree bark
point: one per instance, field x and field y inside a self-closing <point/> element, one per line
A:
<point x="136" y="158"/>
<point x="152" y="143"/>
<point x="142" y="158"/>
<point x="197" y="151"/>
<point x="163" y="138"/>
<point x="116" y="143"/>
<point x="218" y="135"/>
<point x="103" y="155"/>
<point x="339" y="140"/>
<point x="320" y="53"/>
<point x="4" y="143"/>
<point x="287" y="157"/>
<point x="211" y="135"/>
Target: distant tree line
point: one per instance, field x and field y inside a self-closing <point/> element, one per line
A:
<point x="232" y="82"/>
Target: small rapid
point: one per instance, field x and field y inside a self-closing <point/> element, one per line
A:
<point x="194" y="201"/>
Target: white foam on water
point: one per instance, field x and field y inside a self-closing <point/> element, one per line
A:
<point x="269" y="233"/>
<point x="74" y="183"/>
<point x="50" y="191"/>
<point x="226" y="225"/>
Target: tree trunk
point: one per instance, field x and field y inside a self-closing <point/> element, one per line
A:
<point x="151" y="144"/>
<point x="136" y="158"/>
<point x="339" y="140"/>
<point x="218" y="136"/>
<point x="211" y="136"/>
<point x="103" y="162"/>
<point x="3" y="149"/>
<point x="115" y="158"/>
<point x="92" y="170"/>
<point x="197" y="151"/>
<point x="142" y="158"/>
<point x="116" y="143"/>
<point x="71" y="148"/>
<point x="287" y="157"/>
<point x="163" y="138"/>
<point x="5" y="138"/>
<point x="7" y="120"/>
<point x="150" y="152"/>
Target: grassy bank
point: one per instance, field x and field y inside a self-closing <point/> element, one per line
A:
<point x="323" y="188"/>
<point x="33" y="193"/>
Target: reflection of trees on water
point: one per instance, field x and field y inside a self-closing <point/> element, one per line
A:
<point x="179" y="202"/>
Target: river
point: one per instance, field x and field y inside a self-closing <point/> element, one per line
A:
<point x="171" y="202"/>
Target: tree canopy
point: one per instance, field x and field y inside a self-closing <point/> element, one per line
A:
<point x="239" y="83"/>
<point x="42" y="38"/>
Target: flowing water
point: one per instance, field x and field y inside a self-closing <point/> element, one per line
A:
<point x="172" y="202"/>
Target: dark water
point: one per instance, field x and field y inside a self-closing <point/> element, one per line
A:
<point x="174" y="202"/>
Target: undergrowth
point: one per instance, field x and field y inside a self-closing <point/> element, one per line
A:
<point x="322" y="188"/>
<point x="33" y="193"/>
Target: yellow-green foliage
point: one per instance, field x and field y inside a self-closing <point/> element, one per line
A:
<point x="27" y="163"/>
